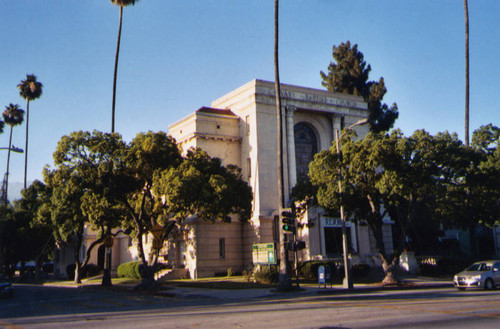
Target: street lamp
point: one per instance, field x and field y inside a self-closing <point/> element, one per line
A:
<point x="13" y="149"/>
<point x="347" y="278"/>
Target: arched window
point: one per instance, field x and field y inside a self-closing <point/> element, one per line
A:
<point x="306" y="146"/>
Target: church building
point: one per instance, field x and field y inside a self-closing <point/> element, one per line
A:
<point x="240" y="129"/>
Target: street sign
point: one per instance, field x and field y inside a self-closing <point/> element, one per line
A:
<point x="157" y="231"/>
<point x="264" y="253"/>
<point x="157" y="244"/>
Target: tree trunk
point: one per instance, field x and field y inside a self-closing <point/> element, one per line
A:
<point x="466" y="11"/>
<point x="78" y="264"/>
<point x="78" y="269"/>
<point x="390" y="266"/>
<point x="148" y="277"/>
<point x="391" y="269"/>
<point x="116" y="70"/>
<point x="38" y="267"/>
<point x="8" y="164"/>
<point x="26" y="146"/>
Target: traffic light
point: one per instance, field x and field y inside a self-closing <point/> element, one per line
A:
<point x="288" y="220"/>
<point x="289" y="245"/>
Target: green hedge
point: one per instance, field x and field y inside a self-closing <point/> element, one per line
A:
<point x="309" y="270"/>
<point x="130" y="270"/>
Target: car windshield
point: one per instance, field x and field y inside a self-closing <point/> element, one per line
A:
<point x="479" y="267"/>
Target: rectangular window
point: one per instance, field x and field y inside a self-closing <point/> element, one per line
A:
<point x="222" y="248"/>
<point x="276" y="228"/>
<point x="247" y="124"/>
<point x="249" y="167"/>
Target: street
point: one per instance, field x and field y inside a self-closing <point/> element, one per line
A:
<point x="45" y="307"/>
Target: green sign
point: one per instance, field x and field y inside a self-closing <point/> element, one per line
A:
<point x="264" y="253"/>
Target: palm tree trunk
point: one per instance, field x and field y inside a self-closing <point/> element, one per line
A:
<point x="116" y="70"/>
<point x="466" y="10"/>
<point x="8" y="164"/>
<point x="26" y="146"/>
<point x="285" y="282"/>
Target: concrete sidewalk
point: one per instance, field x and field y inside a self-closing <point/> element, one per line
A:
<point x="305" y="289"/>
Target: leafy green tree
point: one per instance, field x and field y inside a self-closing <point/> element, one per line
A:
<point x="471" y="197"/>
<point x="8" y="240"/>
<point x="486" y="138"/>
<point x="36" y="241"/>
<point x="21" y="239"/>
<point x="147" y="154"/>
<point x="381" y="175"/>
<point x="410" y="177"/>
<point x="202" y="186"/>
<point x="29" y="89"/>
<point x="420" y="166"/>
<point x="86" y="181"/>
<point x="358" y="169"/>
<point x="349" y="74"/>
<point x="13" y="116"/>
<point x="121" y="4"/>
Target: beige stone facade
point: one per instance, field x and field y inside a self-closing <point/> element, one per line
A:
<point x="240" y="129"/>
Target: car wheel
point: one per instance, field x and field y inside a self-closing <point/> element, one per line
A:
<point x="488" y="284"/>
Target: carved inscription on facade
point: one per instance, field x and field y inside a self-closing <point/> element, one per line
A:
<point x="288" y="94"/>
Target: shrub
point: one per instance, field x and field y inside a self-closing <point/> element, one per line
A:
<point x="427" y="269"/>
<point x="90" y="270"/>
<point x="130" y="270"/>
<point x="360" y="270"/>
<point x="267" y="274"/>
<point x="309" y="270"/>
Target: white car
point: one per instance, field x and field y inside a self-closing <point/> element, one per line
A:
<point x="484" y="274"/>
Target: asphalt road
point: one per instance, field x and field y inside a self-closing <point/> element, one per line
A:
<point x="42" y="307"/>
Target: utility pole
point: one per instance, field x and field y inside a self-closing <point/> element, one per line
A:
<point x="345" y="249"/>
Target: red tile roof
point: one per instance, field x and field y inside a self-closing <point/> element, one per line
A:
<point x="216" y="111"/>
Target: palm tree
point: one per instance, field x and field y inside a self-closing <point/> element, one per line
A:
<point x="466" y="10"/>
<point x="29" y="89"/>
<point x="13" y="116"/>
<point x="121" y="3"/>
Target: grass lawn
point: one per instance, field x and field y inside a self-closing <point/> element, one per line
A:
<point x="232" y="282"/>
<point x="95" y="281"/>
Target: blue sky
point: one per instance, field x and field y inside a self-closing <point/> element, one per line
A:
<point x="177" y="56"/>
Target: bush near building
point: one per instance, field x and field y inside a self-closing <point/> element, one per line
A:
<point x="309" y="270"/>
<point x="266" y="274"/>
<point x="87" y="271"/>
<point x="130" y="270"/>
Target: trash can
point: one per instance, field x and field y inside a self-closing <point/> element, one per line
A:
<point x="324" y="275"/>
